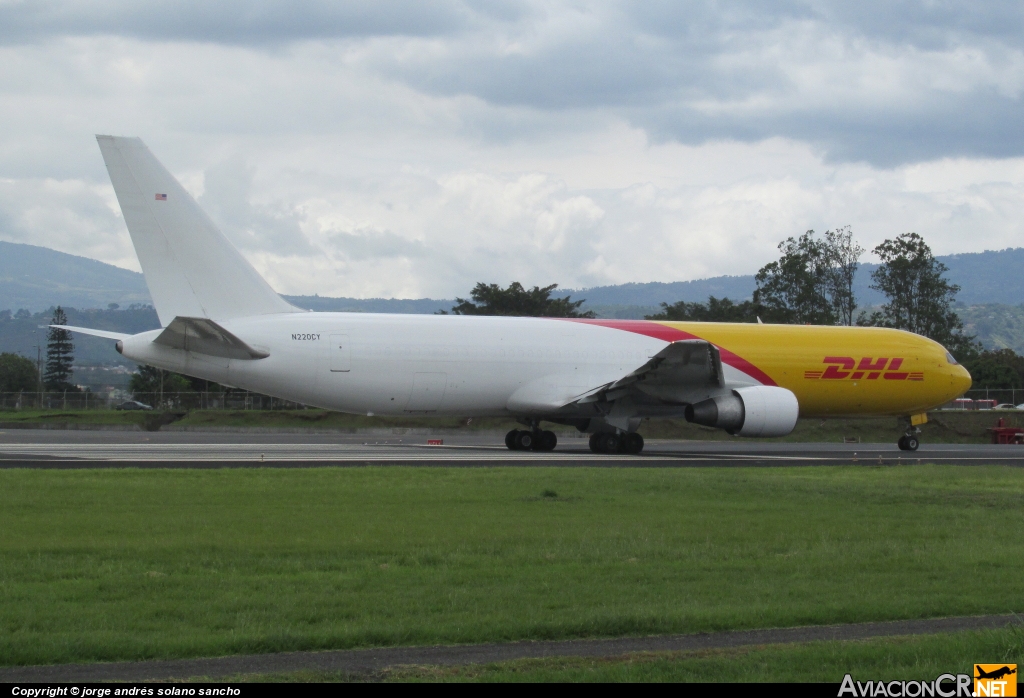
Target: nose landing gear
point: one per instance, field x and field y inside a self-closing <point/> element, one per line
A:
<point x="911" y="440"/>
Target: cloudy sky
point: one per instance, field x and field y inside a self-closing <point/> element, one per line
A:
<point x="410" y="148"/>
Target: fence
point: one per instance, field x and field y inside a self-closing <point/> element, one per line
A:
<point x="986" y="398"/>
<point x="232" y="400"/>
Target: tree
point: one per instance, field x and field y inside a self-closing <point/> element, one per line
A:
<point x="996" y="368"/>
<point x="844" y="260"/>
<point x="60" y="355"/>
<point x="919" y="299"/>
<point x="812" y="283"/>
<point x="492" y="299"/>
<point x="715" y="310"/>
<point x="17" y="374"/>
<point x="153" y="380"/>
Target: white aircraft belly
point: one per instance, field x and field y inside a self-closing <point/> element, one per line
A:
<point x="483" y="360"/>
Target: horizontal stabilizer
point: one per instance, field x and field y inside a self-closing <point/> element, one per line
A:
<point x="204" y="336"/>
<point x="95" y="333"/>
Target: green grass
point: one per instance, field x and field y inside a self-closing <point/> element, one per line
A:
<point x="921" y="658"/>
<point x="265" y="419"/>
<point x="132" y="564"/>
<point x="70" y="417"/>
<point x="943" y="427"/>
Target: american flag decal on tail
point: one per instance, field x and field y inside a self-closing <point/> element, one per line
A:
<point x="161" y="197"/>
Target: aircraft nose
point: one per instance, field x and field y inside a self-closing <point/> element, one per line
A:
<point x="962" y="380"/>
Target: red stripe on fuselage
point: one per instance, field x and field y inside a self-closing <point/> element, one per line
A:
<point x="671" y="334"/>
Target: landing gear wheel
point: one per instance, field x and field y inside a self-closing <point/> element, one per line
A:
<point x="633" y="443"/>
<point x="908" y="442"/>
<point x="609" y="443"/>
<point x="525" y="440"/>
<point x="547" y="441"/>
<point x="510" y="440"/>
<point x="595" y="443"/>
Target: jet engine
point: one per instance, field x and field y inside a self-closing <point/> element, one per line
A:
<point x="760" y="410"/>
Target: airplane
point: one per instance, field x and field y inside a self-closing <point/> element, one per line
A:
<point x="221" y="321"/>
<point x="995" y="673"/>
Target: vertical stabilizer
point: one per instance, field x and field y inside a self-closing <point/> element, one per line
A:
<point x="190" y="267"/>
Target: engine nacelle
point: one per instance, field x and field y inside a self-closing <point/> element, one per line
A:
<point x="760" y="410"/>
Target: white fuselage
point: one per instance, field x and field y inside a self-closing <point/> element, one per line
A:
<point x="406" y="364"/>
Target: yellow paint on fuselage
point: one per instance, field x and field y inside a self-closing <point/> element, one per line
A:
<point x="788" y="353"/>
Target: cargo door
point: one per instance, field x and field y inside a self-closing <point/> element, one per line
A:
<point x="341" y="354"/>
<point x="427" y="391"/>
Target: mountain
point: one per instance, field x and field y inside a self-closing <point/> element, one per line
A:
<point x="413" y="306"/>
<point x="37" y="278"/>
<point x="984" y="277"/>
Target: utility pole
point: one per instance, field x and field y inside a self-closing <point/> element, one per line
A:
<point x="39" y="374"/>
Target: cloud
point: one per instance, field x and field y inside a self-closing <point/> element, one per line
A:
<point x="415" y="149"/>
<point x="256" y="22"/>
<point x="882" y="82"/>
<point x="363" y="245"/>
<point x="68" y="215"/>
<point x="267" y="227"/>
<point x="948" y="84"/>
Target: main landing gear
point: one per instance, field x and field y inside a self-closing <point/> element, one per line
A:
<point x="531" y="440"/>
<point x="607" y="442"/>
<point x="911" y="440"/>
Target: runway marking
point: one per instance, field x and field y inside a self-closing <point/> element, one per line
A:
<point x="344" y="453"/>
<point x="30" y="454"/>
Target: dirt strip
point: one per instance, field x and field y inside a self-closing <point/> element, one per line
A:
<point x="367" y="661"/>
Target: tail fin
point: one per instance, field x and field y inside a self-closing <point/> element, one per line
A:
<point x="190" y="267"/>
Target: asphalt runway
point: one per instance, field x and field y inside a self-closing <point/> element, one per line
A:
<point x="120" y="449"/>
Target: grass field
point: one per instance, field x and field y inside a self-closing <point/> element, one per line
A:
<point x="921" y="658"/>
<point x="132" y="564"/>
<point x="943" y="427"/>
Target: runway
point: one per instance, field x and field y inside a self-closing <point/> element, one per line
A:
<point x="113" y="449"/>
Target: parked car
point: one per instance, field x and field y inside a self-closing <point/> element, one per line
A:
<point x="1005" y="406"/>
<point x="132" y="405"/>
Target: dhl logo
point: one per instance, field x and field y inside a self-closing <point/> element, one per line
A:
<point x="868" y="368"/>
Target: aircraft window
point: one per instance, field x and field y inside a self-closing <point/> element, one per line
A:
<point x="950" y="359"/>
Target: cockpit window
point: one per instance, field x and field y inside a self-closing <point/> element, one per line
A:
<point x="950" y="359"/>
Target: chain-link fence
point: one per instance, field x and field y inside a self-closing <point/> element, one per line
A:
<point x="232" y="400"/>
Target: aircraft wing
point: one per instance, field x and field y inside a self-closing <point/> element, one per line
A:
<point x="204" y="336"/>
<point x="670" y="377"/>
<point x="679" y="374"/>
